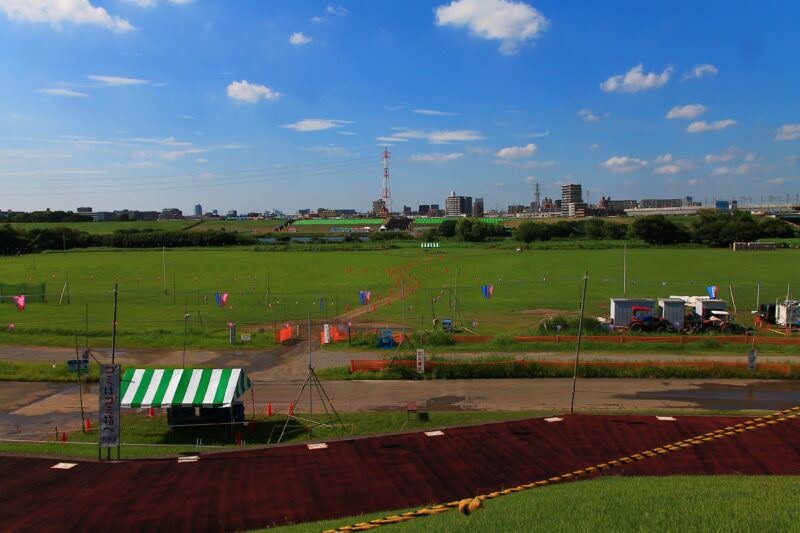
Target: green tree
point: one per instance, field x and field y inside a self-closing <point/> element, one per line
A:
<point x="658" y="229"/>
<point x="471" y="230"/>
<point x="448" y="228"/>
<point x="532" y="231"/>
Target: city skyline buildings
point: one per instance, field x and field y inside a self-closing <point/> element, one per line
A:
<point x="687" y="100"/>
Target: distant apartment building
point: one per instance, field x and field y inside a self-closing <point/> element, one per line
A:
<point x="103" y="216"/>
<point x="423" y="209"/>
<point x="171" y="213"/>
<point x="477" y="208"/>
<point x="198" y="210"/>
<point x="658" y="203"/>
<point x="572" y="199"/>
<point x="84" y="210"/>
<point x="378" y="207"/>
<point x="457" y="206"/>
<point x="406" y="210"/>
<point x="515" y="209"/>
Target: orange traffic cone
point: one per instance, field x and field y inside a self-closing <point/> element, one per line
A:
<point x="88" y="427"/>
<point x="151" y="413"/>
<point x="269" y="408"/>
<point x="291" y="408"/>
<point x="63" y="436"/>
<point x="373" y="307"/>
<point x="389" y="301"/>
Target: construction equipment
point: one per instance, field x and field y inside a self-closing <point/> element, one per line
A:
<point x="643" y="320"/>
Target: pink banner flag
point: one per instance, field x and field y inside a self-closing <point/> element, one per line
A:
<point x="20" y="301"/>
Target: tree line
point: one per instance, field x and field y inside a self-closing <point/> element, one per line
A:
<point x="14" y="240"/>
<point x="711" y="227"/>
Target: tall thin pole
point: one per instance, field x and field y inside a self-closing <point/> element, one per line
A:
<point x="310" y="370"/>
<point x="625" y="269"/>
<point x="185" y="323"/>
<point x="164" y="266"/>
<point x="114" y="328"/>
<point x="758" y="311"/>
<point x="578" y="347"/>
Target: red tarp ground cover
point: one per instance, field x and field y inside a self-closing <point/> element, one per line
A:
<point x="258" y="488"/>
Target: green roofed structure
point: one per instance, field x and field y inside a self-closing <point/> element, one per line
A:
<point x="338" y="222"/>
<point x="218" y="387"/>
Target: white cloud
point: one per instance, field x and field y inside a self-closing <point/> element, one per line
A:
<point x="251" y="93"/>
<point x="700" y="71"/>
<point x="346" y="132"/>
<point x="662" y="159"/>
<point x="512" y="23"/>
<point x="315" y="124"/>
<point x="517" y="152"/>
<point x="527" y="164"/>
<point x="623" y="164"/>
<point x="435" y="158"/>
<point x="594" y="146"/>
<point x="169" y="156"/>
<point x="56" y="12"/>
<point x="201" y="160"/>
<point x="634" y="80"/>
<point x="750" y="157"/>
<point x="687" y="111"/>
<point x="728" y="154"/>
<point x="499" y="184"/>
<point x="434" y="112"/>
<point x="391" y="139"/>
<point x="702" y="125"/>
<point x="788" y="132"/>
<point x="439" y="137"/>
<point x="152" y="3"/>
<point x="676" y="167"/>
<point x="298" y="38"/>
<point x="339" y="11"/>
<point x="694" y="181"/>
<point x="588" y="116"/>
<point x="740" y="169"/>
<point x="62" y="92"/>
<point x="169" y="141"/>
<point x="540" y="134"/>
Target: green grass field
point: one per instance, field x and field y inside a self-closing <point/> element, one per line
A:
<point x="267" y="288"/>
<point x="107" y="227"/>
<point x="718" y="504"/>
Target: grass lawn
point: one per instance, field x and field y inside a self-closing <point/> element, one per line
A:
<point x="719" y="504"/>
<point x="269" y="288"/>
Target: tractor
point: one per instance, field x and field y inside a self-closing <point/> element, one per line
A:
<point x="715" y="320"/>
<point x="643" y="320"/>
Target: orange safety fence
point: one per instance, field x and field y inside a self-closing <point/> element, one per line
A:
<point x="623" y="339"/>
<point x="376" y="365"/>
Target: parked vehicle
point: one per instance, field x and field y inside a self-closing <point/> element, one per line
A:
<point x="718" y="321"/>
<point x="643" y="320"/>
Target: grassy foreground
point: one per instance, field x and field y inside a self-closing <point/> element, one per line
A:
<point x="723" y="504"/>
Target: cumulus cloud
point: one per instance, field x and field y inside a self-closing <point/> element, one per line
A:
<point x="594" y="146"/>
<point x="676" y="167"/>
<point x="435" y="158"/>
<point x="588" y="116"/>
<point x="787" y="132"/>
<point x="623" y="164"/>
<point x="434" y="112"/>
<point x="634" y="80"/>
<point x="512" y="23"/>
<point x="687" y="111"/>
<point x="660" y="160"/>
<point x="391" y="139"/>
<point x="57" y="12"/>
<point x="517" y="152"/>
<point x="250" y="92"/>
<point x="298" y="38"/>
<point x="727" y="154"/>
<point x="702" y="125"/>
<point x="315" y="124"/>
<point x="740" y="169"/>
<point x="700" y="71"/>
<point x="527" y="164"/>
<point x="62" y="92"/>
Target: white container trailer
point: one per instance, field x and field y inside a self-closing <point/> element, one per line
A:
<point x="703" y="305"/>
<point x="787" y="313"/>
<point x="672" y="309"/>
<point x="622" y="309"/>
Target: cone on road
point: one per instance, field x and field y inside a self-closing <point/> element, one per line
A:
<point x="269" y="408"/>
<point x="151" y="413"/>
<point x="63" y="436"/>
<point x="88" y="425"/>
<point x="291" y="408"/>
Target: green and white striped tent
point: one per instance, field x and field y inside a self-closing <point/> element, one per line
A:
<point x="218" y="387"/>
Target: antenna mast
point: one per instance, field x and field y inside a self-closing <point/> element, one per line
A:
<point x="386" y="193"/>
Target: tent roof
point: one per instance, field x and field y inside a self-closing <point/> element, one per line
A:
<point x="217" y="387"/>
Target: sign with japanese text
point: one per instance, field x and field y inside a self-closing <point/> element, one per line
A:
<point x="109" y="406"/>
<point x="421" y="361"/>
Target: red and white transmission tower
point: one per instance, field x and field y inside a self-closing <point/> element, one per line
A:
<point x="386" y="193"/>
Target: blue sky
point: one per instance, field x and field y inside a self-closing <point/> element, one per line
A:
<point x="254" y="105"/>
